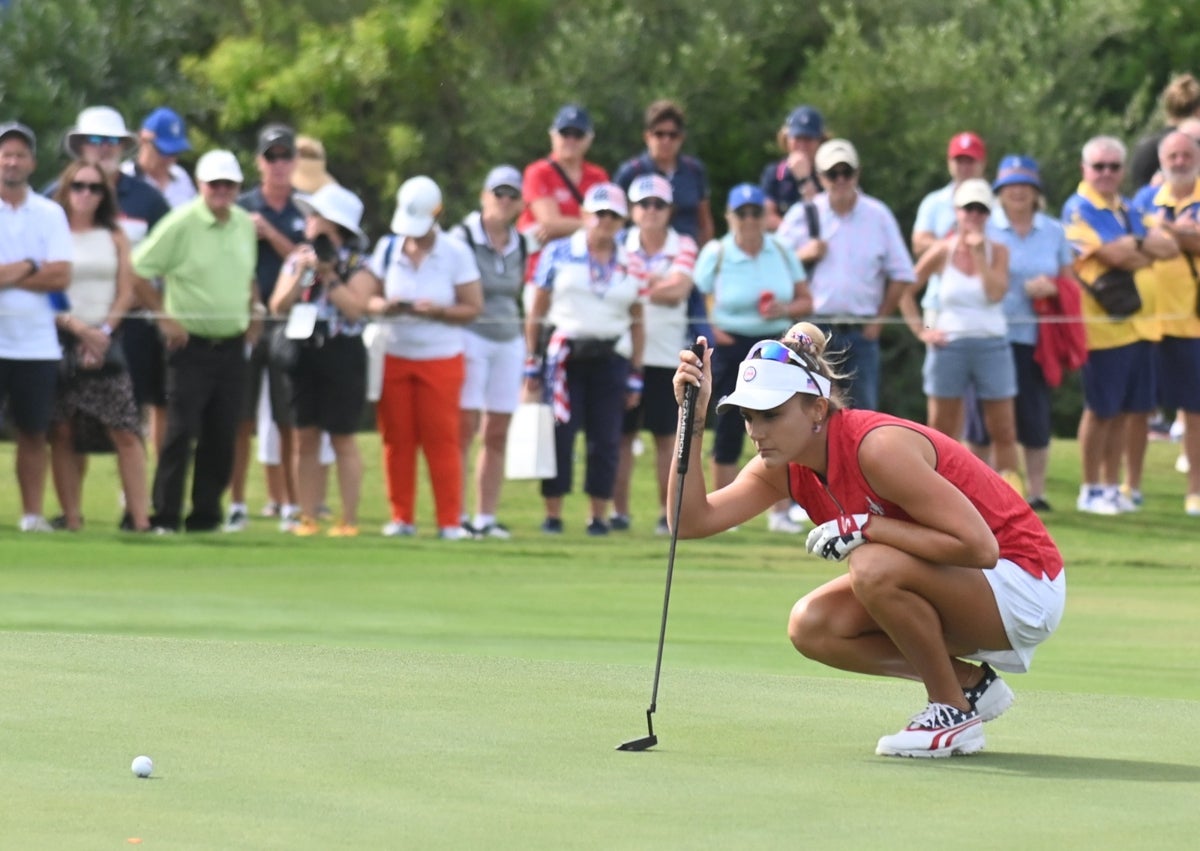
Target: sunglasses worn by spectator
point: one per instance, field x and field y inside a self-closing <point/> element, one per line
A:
<point x="609" y="214"/>
<point x="571" y="133"/>
<point x="506" y="194"/>
<point x="749" y="211"/>
<point x="977" y="209"/>
<point x="84" y="186"/>
<point x="843" y="173"/>
<point x="773" y="350"/>
<point x="103" y="140"/>
<point x="278" y="156"/>
<point x="666" y="134"/>
<point x="652" y="204"/>
<point x="1105" y="166"/>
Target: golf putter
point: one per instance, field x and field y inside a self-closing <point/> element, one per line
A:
<point x="686" y="418"/>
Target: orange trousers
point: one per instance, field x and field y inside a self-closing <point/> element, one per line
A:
<point x="419" y="408"/>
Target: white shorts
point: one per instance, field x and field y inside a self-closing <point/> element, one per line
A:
<point x="1030" y="609"/>
<point x="495" y="373"/>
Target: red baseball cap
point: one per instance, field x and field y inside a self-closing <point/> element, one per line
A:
<point x="966" y="145"/>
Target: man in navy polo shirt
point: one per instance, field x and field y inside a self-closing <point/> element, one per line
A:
<point x="279" y="225"/>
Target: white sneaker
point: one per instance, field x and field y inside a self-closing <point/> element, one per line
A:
<point x="991" y="696"/>
<point x="454" y="533"/>
<point x="1182" y="465"/>
<point x="1126" y="500"/>
<point x="493" y="530"/>
<point x="1096" y="501"/>
<point x="289" y="518"/>
<point x="779" y="521"/>
<point x="35" y="523"/>
<point x="937" y="731"/>
<point x="396" y="529"/>
<point x="236" y="522"/>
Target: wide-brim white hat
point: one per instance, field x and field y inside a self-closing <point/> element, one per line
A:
<point x="99" y="121"/>
<point x="337" y="204"/>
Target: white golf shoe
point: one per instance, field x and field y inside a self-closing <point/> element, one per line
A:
<point x="937" y="731"/>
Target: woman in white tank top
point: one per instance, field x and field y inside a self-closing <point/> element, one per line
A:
<point x="95" y="407"/>
<point x="966" y="336"/>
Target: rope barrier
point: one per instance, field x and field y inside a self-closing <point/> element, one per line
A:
<point x="829" y="319"/>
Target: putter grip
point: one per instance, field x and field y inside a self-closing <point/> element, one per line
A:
<point x="686" y="417"/>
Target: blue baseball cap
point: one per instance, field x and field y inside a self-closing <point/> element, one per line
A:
<point x="572" y="117"/>
<point x="743" y="194"/>
<point x="170" y="133"/>
<point x="805" y="121"/>
<point x="1018" y="169"/>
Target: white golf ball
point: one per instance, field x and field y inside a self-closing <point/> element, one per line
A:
<point x="142" y="766"/>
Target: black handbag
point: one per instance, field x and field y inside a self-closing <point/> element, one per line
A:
<point x="71" y="364"/>
<point x="1116" y="292"/>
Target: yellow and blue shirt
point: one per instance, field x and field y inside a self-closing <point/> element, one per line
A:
<point x="1175" y="285"/>
<point x="1090" y="222"/>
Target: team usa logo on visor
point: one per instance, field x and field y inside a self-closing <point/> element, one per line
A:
<point x="778" y="352"/>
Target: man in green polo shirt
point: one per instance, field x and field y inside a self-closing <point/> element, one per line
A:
<point x="205" y="251"/>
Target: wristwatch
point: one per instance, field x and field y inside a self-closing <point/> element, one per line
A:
<point x="34" y="266"/>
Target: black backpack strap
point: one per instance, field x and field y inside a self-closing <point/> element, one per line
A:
<point x="570" y="183"/>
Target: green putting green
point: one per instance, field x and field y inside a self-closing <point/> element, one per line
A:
<point x="379" y="693"/>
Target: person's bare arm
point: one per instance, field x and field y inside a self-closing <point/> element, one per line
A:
<point x="48" y="278"/>
<point x="554" y="224"/>
<point x="946" y="528"/>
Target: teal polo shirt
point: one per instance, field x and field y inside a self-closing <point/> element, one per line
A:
<point x="208" y="267"/>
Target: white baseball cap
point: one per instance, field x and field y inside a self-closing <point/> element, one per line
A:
<point x="974" y="191"/>
<point x="836" y="152"/>
<point x="770" y="375"/>
<point x="418" y="204"/>
<point x="650" y="186"/>
<point x="218" y="165"/>
<point x="337" y="204"/>
<point x="502" y="175"/>
<point x="606" y="196"/>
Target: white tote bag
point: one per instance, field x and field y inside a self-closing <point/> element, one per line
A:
<point x="529" y="453"/>
<point x="375" y="337"/>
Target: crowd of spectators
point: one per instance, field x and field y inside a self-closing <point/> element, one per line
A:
<point x="171" y="316"/>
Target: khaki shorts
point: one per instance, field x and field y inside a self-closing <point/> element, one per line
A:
<point x="1030" y="609"/>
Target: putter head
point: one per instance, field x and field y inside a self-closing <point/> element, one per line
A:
<point x="639" y="744"/>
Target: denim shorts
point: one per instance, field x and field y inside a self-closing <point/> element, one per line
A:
<point x="984" y="362"/>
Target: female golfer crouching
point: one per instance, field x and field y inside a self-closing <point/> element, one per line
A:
<point x="946" y="561"/>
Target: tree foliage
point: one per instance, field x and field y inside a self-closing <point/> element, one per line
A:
<point x="450" y="88"/>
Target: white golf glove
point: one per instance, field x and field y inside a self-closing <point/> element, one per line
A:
<point x="834" y="539"/>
